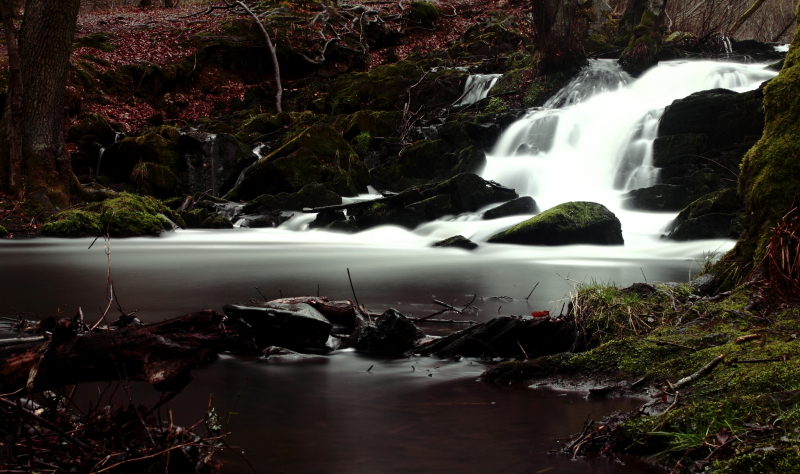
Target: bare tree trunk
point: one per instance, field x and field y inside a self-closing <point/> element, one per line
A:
<point x="273" y="54"/>
<point x="745" y="16"/>
<point x="47" y="33"/>
<point x="15" y="125"/>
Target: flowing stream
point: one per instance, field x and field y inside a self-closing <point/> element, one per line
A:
<point x="592" y="142"/>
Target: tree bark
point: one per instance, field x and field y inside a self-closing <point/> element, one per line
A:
<point x="15" y="124"/>
<point x="745" y="16"/>
<point x="47" y="33"/>
<point x="161" y="354"/>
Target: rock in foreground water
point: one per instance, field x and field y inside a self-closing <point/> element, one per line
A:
<point x="576" y="222"/>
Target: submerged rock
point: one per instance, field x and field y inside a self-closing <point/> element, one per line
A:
<point x="296" y="325"/>
<point x="458" y="241"/>
<point x="577" y="222"/>
<point x="392" y="333"/>
<point x="514" y="207"/>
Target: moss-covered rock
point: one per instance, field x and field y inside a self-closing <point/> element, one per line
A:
<point x="642" y="50"/>
<point x="316" y="155"/>
<point x="311" y="196"/>
<point x="713" y="216"/>
<point x="154" y="180"/>
<point x="768" y="181"/>
<point x="458" y="241"/>
<point x="158" y="145"/>
<point x="203" y="218"/>
<point x="422" y="162"/>
<point x="569" y="223"/>
<point x="125" y="216"/>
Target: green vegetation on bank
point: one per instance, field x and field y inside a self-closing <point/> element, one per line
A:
<point x="741" y="417"/>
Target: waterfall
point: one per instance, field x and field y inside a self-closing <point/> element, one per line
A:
<point x="593" y="141"/>
<point x="99" y="159"/>
<point x="478" y="87"/>
<point x="260" y="153"/>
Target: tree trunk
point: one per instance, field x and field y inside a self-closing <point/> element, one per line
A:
<point x="47" y="33"/>
<point x="273" y="54"/>
<point x="15" y="124"/>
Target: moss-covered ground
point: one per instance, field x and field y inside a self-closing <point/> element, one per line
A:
<point x="741" y="417"/>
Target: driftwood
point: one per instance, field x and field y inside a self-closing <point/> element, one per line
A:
<point x="161" y="354"/>
<point x="506" y="336"/>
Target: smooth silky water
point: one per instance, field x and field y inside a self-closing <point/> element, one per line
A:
<point x="593" y="142"/>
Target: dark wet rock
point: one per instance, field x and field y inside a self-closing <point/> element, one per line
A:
<point x="713" y="216"/>
<point x="569" y="223"/>
<point x="515" y="207"/>
<point x="416" y="164"/>
<point x="269" y="220"/>
<point x="703" y="137"/>
<point x="203" y="218"/>
<point x="680" y="149"/>
<point x="286" y="325"/>
<point x="392" y="333"/>
<point x="470" y="160"/>
<point x="312" y="195"/>
<point x="347" y="226"/>
<point x="661" y="197"/>
<point x="704" y="283"/>
<point x="325" y="218"/>
<point x="502" y="337"/>
<point x="213" y="161"/>
<point x="283" y="354"/>
<point x="757" y="50"/>
<point x="465" y="192"/>
<point x="458" y="241"/>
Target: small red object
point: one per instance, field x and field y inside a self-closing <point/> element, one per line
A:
<point x="540" y="314"/>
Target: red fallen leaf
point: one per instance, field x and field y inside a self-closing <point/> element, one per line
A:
<point x="540" y="314"/>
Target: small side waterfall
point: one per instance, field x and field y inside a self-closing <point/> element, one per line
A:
<point x="99" y="160"/>
<point x="478" y="87"/>
<point x="594" y="140"/>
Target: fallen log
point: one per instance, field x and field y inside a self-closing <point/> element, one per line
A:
<point x="161" y="354"/>
<point x="506" y="336"/>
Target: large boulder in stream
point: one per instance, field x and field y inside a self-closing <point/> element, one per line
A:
<point x="291" y="325"/>
<point x="392" y="333"/>
<point x="312" y="195"/>
<point x="577" y="222"/>
<point x="661" y="197"/>
<point x="713" y="216"/>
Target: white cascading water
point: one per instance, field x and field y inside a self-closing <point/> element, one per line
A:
<point x="599" y="144"/>
<point x="477" y="87"/>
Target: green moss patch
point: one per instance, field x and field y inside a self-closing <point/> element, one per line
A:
<point x="125" y="216"/>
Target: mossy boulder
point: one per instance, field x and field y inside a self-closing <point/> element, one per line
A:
<point x="158" y="145"/>
<point x="312" y="195"/>
<point x="458" y="241"/>
<point x="316" y="155"/>
<point x="154" y="180"/>
<point x="519" y="206"/>
<point x="385" y="88"/>
<point x="422" y="162"/>
<point x="577" y="222"/>
<point x="203" y="218"/>
<point x="125" y="216"/>
<point x="713" y="216"/>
